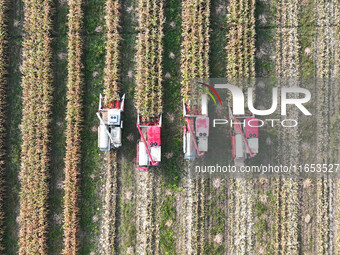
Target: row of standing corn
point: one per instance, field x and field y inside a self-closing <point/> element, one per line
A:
<point x="287" y="66"/>
<point x="3" y="87"/>
<point x="111" y="91"/>
<point x="194" y="65"/>
<point x="241" y="39"/>
<point x="148" y="101"/>
<point x="241" y="64"/>
<point x="325" y="67"/>
<point x="37" y="89"/>
<point x="148" y="95"/>
<point x="74" y="115"/>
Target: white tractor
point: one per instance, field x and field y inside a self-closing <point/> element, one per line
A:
<point x="196" y="130"/>
<point x="110" y="124"/>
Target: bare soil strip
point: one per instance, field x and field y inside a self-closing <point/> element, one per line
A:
<point x="3" y="103"/>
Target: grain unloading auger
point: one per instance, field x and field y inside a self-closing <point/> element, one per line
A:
<point x="149" y="144"/>
<point x="244" y="136"/>
<point x="110" y="124"/>
<point x="196" y="130"/>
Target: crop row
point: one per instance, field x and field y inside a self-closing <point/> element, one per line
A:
<point x="287" y="65"/>
<point x="241" y="39"/>
<point x="37" y="89"/>
<point x="325" y="60"/>
<point x="3" y="87"/>
<point x="111" y="91"/>
<point x="74" y="117"/>
<point x="111" y="80"/>
<point x="194" y="65"/>
<point x="148" y="95"/>
<point x="195" y="44"/>
<point x="241" y="64"/>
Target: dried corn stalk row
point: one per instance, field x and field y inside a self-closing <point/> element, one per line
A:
<point x="74" y="116"/>
<point x="287" y="66"/>
<point x="325" y="68"/>
<point x="148" y="95"/>
<point x="3" y="92"/>
<point x="241" y="39"/>
<point x="111" y="91"/>
<point x="195" y="44"/>
<point x="37" y="89"/>
<point x="111" y="79"/>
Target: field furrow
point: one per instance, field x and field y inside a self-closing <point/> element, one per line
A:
<point x="35" y="127"/>
<point x="3" y="102"/>
<point x="74" y="117"/>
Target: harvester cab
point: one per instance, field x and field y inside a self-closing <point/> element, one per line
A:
<point x="149" y="145"/>
<point x="110" y="124"/>
<point x="196" y="130"/>
<point x="244" y="136"/>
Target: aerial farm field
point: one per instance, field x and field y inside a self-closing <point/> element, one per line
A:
<point x="64" y="190"/>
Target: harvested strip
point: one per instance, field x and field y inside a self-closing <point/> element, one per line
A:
<point x="145" y="219"/>
<point x="3" y="86"/>
<point x="109" y="222"/>
<point x="74" y="117"/>
<point x="37" y="90"/>
<point x="148" y="95"/>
